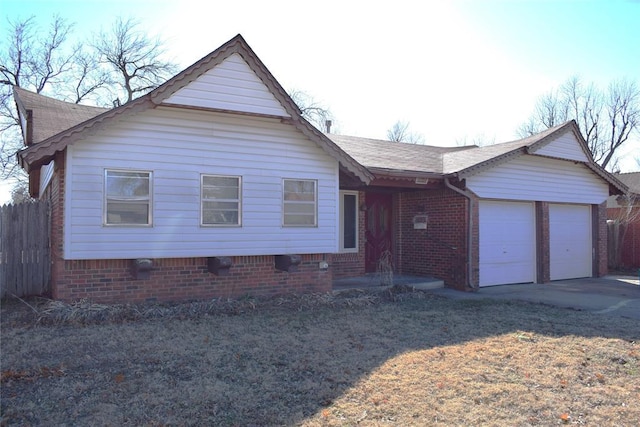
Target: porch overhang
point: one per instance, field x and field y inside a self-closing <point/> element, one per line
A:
<point x="414" y="180"/>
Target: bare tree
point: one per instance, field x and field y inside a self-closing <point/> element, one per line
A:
<point x="312" y="110"/>
<point x="480" y="140"/>
<point x="134" y="57"/>
<point x="607" y="118"/>
<point x="400" y="132"/>
<point x="33" y="59"/>
<point x="44" y="62"/>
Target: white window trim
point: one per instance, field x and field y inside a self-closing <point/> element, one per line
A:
<point x="315" y="213"/>
<point x="342" y="249"/>
<point x="239" y="200"/>
<point x="105" y="198"/>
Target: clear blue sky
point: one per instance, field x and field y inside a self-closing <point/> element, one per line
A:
<point x="454" y="69"/>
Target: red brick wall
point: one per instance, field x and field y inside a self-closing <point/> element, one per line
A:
<point x="543" y="243"/>
<point x="440" y="250"/>
<point x="352" y="264"/>
<point x="180" y="279"/>
<point x="55" y="194"/>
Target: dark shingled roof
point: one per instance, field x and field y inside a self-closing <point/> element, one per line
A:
<point x="631" y="180"/>
<point x="380" y="154"/>
<point x="52" y="116"/>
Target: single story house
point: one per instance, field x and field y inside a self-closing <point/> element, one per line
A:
<point x="623" y="213"/>
<point x="214" y="185"/>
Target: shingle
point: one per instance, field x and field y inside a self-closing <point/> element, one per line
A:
<point x="376" y="153"/>
<point x="52" y="116"/>
<point x="631" y="180"/>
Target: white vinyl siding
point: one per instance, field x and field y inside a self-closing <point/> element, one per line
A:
<point x="541" y="179"/>
<point x="565" y="146"/>
<point x="178" y="146"/>
<point x="221" y="200"/>
<point x="231" y="86"/>
<point x="349" y="221"/>
<point x="299" y="203"/>
<point x="127" y="198"/>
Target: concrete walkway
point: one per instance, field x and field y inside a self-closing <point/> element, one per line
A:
<point x="612" y="295"/>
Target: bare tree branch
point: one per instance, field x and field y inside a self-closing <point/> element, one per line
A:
<point x="400" y="132"/>
<point x="136" y="58"/>
<point x="312" y="110"/>
<point x="42" y="61"/>
<point x="607" y="119"/>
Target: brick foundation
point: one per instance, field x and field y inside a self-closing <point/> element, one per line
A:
<point x="181" y="279"/>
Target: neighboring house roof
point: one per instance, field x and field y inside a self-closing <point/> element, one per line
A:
<point x="631" y="180"/>
<point x="40" y="153"/>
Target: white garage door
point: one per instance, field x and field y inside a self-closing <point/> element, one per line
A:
<point x="570" y="243"/>
<point x="507" y="243"/>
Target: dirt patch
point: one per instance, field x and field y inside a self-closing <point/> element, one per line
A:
<point x="394" y="358"/>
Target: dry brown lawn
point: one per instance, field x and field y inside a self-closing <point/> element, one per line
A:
<point x="357" y="359"/>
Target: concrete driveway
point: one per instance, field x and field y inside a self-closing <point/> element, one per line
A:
<point x="612" y="295"/>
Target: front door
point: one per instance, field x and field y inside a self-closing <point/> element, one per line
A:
<point x="378" y="229"/>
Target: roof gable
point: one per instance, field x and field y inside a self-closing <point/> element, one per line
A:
<point x="567" y="145"/>
<point x="231" y="85"/>
<point x="563" y="141"/>
<point x="236" y="48"/>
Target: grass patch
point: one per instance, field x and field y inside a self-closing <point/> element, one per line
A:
<point x="394" y="358"/>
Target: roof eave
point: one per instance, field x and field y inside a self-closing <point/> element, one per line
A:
<point x="403" y="174"/>
<point x="610" y="178"/>
<point x="330" y="147"/>
<point x="39" y="154"/>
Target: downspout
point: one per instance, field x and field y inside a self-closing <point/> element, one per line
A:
<point x="469" y="197"/>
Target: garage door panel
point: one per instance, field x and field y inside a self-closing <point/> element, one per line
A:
<point x="507" y="243"/>
<point x="570" y="245"/>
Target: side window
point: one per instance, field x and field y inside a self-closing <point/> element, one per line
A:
<point x="127" y="197"/>
<point x="299" y="203"/>
<point x="348" y="221"/>
<point x="220" y="200"/>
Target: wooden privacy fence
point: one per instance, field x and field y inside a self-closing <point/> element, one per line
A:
<point x="25" y="265"/>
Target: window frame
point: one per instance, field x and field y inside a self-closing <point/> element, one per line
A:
<point x="290" y="202"/>
<point x="202" y="200"/>
<point x="105" y="198"/>
<point x="341" y="205"/>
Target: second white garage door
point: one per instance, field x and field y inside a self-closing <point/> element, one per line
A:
<point x="570" y="243"/>
<point x="507" y="243"/>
